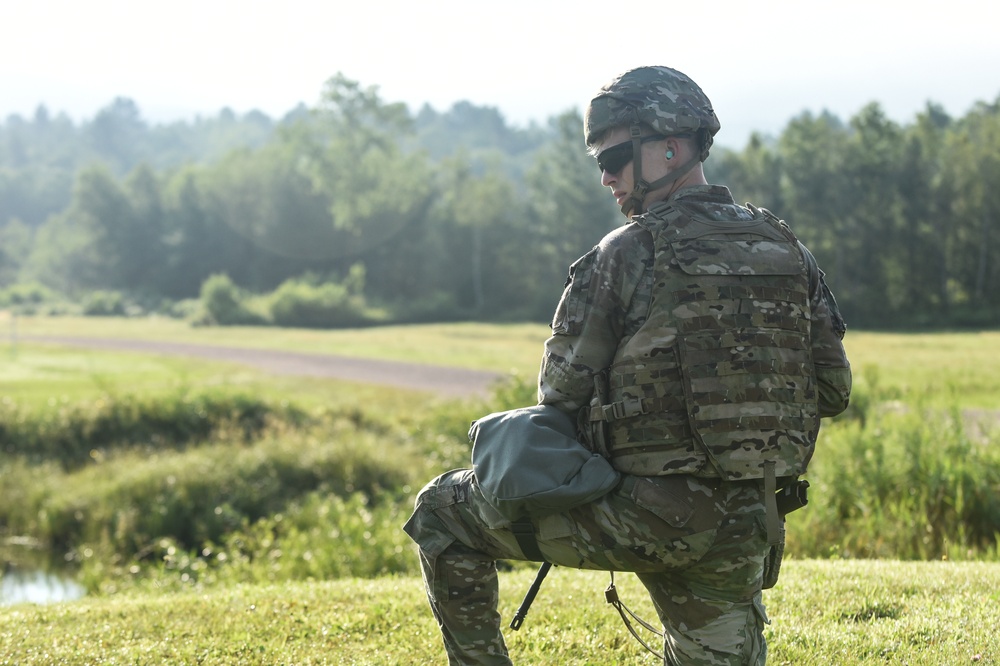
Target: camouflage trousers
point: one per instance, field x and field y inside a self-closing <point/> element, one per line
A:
<point x="698" y="547"/>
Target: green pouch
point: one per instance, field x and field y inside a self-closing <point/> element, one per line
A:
<point x="529" y="464"/>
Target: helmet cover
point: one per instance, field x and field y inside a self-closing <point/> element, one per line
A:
<point x="661" y="97"/>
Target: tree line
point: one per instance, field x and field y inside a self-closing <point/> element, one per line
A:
<point x="360" y="211"/>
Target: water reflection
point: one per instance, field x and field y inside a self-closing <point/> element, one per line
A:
<point x="36" y="587"/>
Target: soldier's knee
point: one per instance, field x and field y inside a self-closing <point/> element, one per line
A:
<point x="424" y="526"/>
<point x="449" y="488"/>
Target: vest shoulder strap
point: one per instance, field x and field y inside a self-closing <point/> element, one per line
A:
<point x="774" y="220"/>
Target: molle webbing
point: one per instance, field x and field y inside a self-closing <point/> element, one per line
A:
<point x="719" y="379"/>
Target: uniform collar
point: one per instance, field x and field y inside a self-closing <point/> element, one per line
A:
<point x="718" y="194"/>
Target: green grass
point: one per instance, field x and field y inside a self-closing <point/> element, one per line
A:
<point x="498" y="347"/>
<point x="906" y="455"/>
<point x="831" y="612"/>
<point x="41" y="376"/>
<point x="946" y="365"/>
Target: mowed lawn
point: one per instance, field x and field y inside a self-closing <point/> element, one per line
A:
<point x="965" y="365"/>
<point x="822" y="613"/>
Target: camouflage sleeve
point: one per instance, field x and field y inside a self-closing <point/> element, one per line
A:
<point x="590" y="319"/>
<point x="833" y="370"/>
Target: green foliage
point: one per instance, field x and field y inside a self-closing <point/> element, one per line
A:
<point x="226" y="488"/>
<point x="306" y="304"/>
<point x="225" y="304"/>
<point x="473" y="130"/>
<point x="437" y="306"/>
<point x="27" y="297"/>
<point x="294" y="544"/>
<point x="219" y="484"/>
<point x="39" y="155"/>
<point x="104" y="304"/>
<point x="15" y="244"/>
<point x="245" y="522"/>
<point x="897" y="478"/>
<point x="455" y="215"/>
<point x="226" y="493"/>
<point x="72" y="435"/>
<point x="262" y="494"/>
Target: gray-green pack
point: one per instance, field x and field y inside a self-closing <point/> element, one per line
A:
<point x="529" y="463"/>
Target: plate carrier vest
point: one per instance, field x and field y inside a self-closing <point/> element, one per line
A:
<point x="719" y="380"/>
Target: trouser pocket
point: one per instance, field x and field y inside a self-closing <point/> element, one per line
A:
<point x="425" y="526"/>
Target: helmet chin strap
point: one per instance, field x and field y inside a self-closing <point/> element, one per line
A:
<point x="634" y="204"/>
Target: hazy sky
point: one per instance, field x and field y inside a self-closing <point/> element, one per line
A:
<point x="761" y="62"/>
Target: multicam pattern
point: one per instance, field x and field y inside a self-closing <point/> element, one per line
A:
<point x="661" y="97"/>
<point x="697" y="545"/>
<point x="607" y="299"/>
<point x="735" y="387"/>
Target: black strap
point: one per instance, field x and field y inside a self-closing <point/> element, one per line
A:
<point x="611" y="595"/>
<point x="772" y="517"/>
<point x="522" y="610"/>
<point x="524" y="532"/>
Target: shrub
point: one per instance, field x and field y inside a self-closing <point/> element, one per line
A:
<point x="27" y="296"/>
<point x="907" y="482"/>
<point x="225" y="304"/>
<point x="76" y="434"/>
<point x="199" y="494"/>
<point x="256" y="463"/>
<point x="104" y="304"/>
<point x="299" y="303"/>
<point x="319" y="536"/>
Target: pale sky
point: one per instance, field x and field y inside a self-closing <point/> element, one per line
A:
<point x="760" y="62"/>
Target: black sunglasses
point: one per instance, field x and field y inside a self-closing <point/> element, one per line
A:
<point x="616" y="157"/>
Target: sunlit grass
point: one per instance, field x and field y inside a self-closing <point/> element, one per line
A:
<point x="839" y="612"/>
<point x="497" y="347"/>
<point x="951" y="366"/>
<point x="824" y="612"/>
<point x="948" y="368"/>
<point x="47" y="375"/>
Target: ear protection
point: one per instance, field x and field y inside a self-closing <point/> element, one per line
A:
<point x="670" y="154"/>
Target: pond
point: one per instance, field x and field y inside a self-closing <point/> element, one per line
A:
<point x="31" y="574"/>
<point x="37" y="587"/>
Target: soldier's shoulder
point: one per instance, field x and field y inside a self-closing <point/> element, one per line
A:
<point x="627" y="238"/>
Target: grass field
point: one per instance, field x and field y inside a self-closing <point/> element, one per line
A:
<point x="823" y="611"/>
<point x="943" y="365"/>
<point x="469" y="345"/>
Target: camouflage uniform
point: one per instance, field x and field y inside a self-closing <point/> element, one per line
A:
<point x="695" y="535"/>
<point x="697" y="545"/>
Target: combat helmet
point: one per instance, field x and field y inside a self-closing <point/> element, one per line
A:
<point x="663" y="98"/>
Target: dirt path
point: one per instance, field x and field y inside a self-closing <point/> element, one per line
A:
<point x="449" y="382"/>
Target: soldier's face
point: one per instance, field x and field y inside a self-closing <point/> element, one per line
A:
<point x="654" y="163"/>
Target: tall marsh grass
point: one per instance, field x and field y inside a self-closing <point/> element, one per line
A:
<point x="188" y="491"/>
<point x="235" y="488"/>
<point x="73" y="434"/>
<point x="900" y="477"/>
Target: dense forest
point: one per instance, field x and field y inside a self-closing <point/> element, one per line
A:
<point x="360" y="211"/>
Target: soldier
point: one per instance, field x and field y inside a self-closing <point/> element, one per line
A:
<point x="698" y="346"/>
